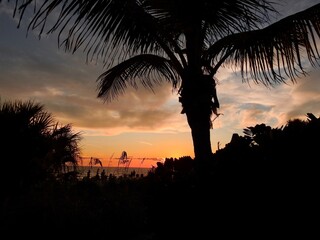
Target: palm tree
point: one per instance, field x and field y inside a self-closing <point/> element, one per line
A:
<point x="147" y="42"/>
<point x="23" y="128"/>
<point x="63" y="151"/>
<point x="32" y="144"/>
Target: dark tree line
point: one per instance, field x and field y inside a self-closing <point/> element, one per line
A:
<point x="286" y="154"/>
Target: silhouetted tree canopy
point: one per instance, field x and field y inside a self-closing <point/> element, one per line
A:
<point x="34" y="146"/>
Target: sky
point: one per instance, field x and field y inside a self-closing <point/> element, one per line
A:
<point x="147" y="125"/>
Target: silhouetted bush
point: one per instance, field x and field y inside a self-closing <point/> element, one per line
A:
<point x="33" y="147"/>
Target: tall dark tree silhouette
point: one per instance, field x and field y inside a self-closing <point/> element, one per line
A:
<point x="147" y="42"/>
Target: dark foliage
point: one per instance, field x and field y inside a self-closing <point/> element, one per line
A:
<point x="261" y="183"/>
<point x="33" y="146"/>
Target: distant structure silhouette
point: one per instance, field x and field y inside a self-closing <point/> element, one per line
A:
<point x="95" y="161"/>
<point x="124" y="159"/>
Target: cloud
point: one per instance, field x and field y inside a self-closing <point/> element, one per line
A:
<point x="145" y="143"/>
<point x="246" y="105"/>
<point x="306" y="96"/>
<point x="66" y="85"/>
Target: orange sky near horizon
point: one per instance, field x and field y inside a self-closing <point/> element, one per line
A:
<point x="130" y="162"/>
<point x="138" y="146"/>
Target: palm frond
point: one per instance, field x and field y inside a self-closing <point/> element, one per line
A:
<point x="111" y="29"/>
<point x="270" y="54"/>
<point x="146" y="69"/>
<point x="225" y="17"/>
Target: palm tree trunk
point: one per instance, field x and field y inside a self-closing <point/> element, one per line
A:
<point x="199" y="122"/>
<point x="196" y="100"/>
